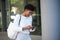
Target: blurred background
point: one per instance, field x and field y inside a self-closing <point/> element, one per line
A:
<point x="10" y="7"/>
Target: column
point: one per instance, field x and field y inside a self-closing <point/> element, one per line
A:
<point x="50" y="19"/>
<point x="4" y="14"/>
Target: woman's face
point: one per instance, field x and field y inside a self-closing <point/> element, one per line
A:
<point x="29" y="12"/>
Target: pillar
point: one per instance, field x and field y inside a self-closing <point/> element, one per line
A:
<point x="50" y="19"/>
<point x="4" y="14"/>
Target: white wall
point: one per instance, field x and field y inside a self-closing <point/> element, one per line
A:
<point x="50" y="19"/>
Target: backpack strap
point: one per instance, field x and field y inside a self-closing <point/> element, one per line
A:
<point x="19" y="20"/>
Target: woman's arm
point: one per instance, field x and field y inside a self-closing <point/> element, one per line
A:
<point x="16" y="23"/>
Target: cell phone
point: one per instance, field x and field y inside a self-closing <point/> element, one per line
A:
<point x="33" y="27"/>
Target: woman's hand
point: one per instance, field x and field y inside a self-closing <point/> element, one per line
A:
<point x="27" y="28"/>
<point x="33" y="27"/>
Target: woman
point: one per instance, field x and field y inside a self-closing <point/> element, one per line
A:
<point x="25" y="26"/>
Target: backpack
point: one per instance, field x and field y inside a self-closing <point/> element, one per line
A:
<point x="10" y="30"/>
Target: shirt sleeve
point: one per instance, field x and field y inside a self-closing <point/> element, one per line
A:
<point x="16" y="23"/>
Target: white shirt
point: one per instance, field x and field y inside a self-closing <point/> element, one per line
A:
<point x="25" y="21"/>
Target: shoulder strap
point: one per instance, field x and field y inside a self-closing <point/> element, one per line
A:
<point x="19" y="20"/>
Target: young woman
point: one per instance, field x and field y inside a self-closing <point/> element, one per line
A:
<point x="25" y="26"/>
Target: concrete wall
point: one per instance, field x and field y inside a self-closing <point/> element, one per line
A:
<point x="50" y="19"/>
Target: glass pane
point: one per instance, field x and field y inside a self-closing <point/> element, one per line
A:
<point x="36" y="17"/>
<point x="8" y="11"/>
<point x="19" y="4"/>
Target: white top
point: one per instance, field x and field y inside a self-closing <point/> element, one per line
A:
<point x="25" y="21"/>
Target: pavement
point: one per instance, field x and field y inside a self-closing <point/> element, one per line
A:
<point x="3" y="36"/>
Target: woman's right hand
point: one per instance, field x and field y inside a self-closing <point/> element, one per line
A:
<point x="27" y="28"/>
